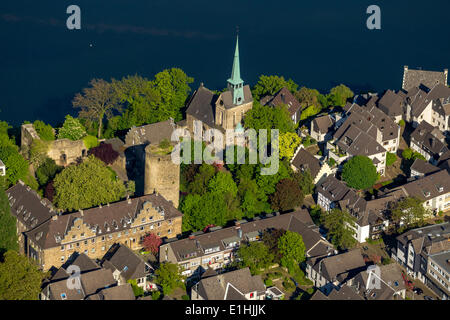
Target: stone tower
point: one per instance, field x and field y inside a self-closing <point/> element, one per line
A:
<point x="161" y="174"/>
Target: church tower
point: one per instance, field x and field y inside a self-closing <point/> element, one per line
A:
<point x="235" y="83"/>
<point x="232" y="104"/>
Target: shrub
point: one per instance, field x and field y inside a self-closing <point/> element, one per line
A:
<point x="47" y="171"/>
<point x="331" y="162"/>
<point x="90" y="141"/>
<point x="185" y="297"/>
<point x="156" y="295"/>
<point x="45" y="131"/>
<point x="105" y="152"/>
<point x="401" y="123"/>
<point x="390" y="158"/>
<point x="288" y="284"/>
<point x="268" y="282"/>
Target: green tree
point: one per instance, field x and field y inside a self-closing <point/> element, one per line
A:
<point x="340" y="95"/>
<point x="72" y="129"/>
<point x="19" y="278"/>
<point x="270" y="238"/>
<point x="308" y="97"/>
<point x="287" y="196"/>
<point x="310" y="112"/>
<point x="253" y="200"/>
<point x="269" y="85"/>
<point x="38" y="152"/>
<point x="359" y="172"/>
<point x="390" y="158"/>
<point x="168" y="276"/>
<point x="96" y="102"/>
<point x="267" y="117"/>
<point x="223" y="183"/>
<point x="292" y="248"/>
<point x="339" y="225"/>
<point x="255" y="256"/>
<point x="45" y="131"/>
<point x="47" y="171"/>
<point x="410" y="212"/>
<point x="201" y="179"/>
<point x="86" y="185"/>
<point x="289" y="142"/>
<point x="8" y="233"/>
<point x="305" y="181"/>
<point x="16" y="165"/>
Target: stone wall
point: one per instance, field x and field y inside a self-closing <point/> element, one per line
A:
<point x="65" y="151"/>
<point x="161" y="174"/>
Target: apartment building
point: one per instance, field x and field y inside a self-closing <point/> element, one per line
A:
<point x="438" y="274"/>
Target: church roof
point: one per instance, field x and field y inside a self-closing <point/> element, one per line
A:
<point x="236" y="71"/>
<point x="202" y="105"/>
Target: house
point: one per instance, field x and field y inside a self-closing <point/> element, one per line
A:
<point x="322" y="128"/>
<point x="95" y="283"/>
<point x="366" y="131"/>
<point x="233" y="285"/>
<point x="304" y="161"/>
<point x="371" y="217"/>
<point x="431" y="104"/>
<point x="93" y="231"/>
<point x="392" y="104"/>
<point x="428" y="141"/>
<point x="433" y="190"/>
<point x="421" y="168"/>
<point x="438" y="274"/>
<point x="380" y="283"/>
<point x="414" y="247"/>
<point x="286" y="98"/>
<point x="29" y="209"/>
<point x="344" y="293"/>
<point x="217" y="248"/>
<point x="127" y="266"/>
<point x="415" y="77"/>
<point x="332" y="272"/>
<point x="2" y="168"/>
<point x="223" y="111"/>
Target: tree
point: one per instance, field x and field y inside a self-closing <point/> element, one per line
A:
<point x="289" y="142"/>
<point x="19" y="278"/>
<point x="201" y="179"/>
<point x="223" y="183"/>
<point x="339" y="226"/>
<point x="267" y="117"/>
<point x="287" y="196"/>
<point x="390" y="158"/>
<point x="151" y="243"/>
<point x="8" y="232"/>
<point x="308" y="97"/>
<point x="409" y="212"/>
<point x="87" y="184"/>
<point x="253" y="199"/>
<point x="310" y="112"/>
<point x="359" y="172"/>
<point x="17" y="166"/>
<point x="270" y="239"/>
<point x="47" y="171"/>
<point x="96" y="102"/>
<point x="409" y="154"/>
<point x="38" y="152"/>
<point x="269" y="85"/>
<point x="292" y="248"/>
<point x="168" y="277"/>
<point x="72" y="129"/>
<point x="305" y="181"/>
<point x="339" y="95"/>
<point x="105" y="152"/>
<point x="255" y="256"/>
<point x="45" y="131"/>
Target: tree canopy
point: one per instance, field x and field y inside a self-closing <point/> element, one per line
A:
<point x="338" y="224"/>
<point x="87" y="184"/>
<point x="287" y="196"/>
<point x="255" y="256"/>
<point x="269" y="85"/>
<point x="168" y="277"/>
<point x="19" y="278"/>
<point x="292" y="248"/>
<point x="409" y="212"/>
<point x="72" y="129"/>
<point x="289" y="142"/>
<point x="267" y="117"/>
<point x="359" y="172"/>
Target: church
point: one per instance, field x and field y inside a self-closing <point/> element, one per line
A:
<point x="223" y="111"/>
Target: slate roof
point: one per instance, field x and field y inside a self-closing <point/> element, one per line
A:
<point x="391" y="103"/>
<point x="123" y="292"/>
<point x="230" y="285"/>
<point x="80" y="260"/>
<point x="151" y="133"/>
<point x="429" y="139"/>
<point x="414" y="78"/>
<point x="429" y="240"/>
<point x="121" y="258"/>
<point x="100" y="218"/>
<point x="283" y="97"/>
<point x="344" y="293"/>
<point x="322" y="124"/>
<point x="227" y="97"/>
<point x="423" y="167"/>
<point x="428" y="187"/>
<point x="289" y="221"/>
<point x="340" y="267"/>
<point x="304" y="160"/>
<point x="28" y="207"/>
<point x="202" y="106"/>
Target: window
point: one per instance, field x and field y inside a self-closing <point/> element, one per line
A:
<point x="103" y="248"/>
<point x="169" y="231"/>
<point x="85" y="242"/>
<point x="78" y="244"/>
<point x="141" y="228"/>
<point x="103" y="238"/>
<point x="63" y="296"/>
<point x="93" y="240"/>
<point x="251" y="295"/>
<point x="82" y="234"/>
<point x="110" y="237"/>
<point x="93" y="250"/>
<point x="62" y="258"/>
<point x="62" y="248"/>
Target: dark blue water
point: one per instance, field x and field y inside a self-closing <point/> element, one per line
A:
<point x="317" y="43"/>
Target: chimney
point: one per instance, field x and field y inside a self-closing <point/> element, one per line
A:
<point x="107" y="204"/>
<point x="239" y="232"/>
<point x="128" y="199"/>
<point x="81" y="212"/>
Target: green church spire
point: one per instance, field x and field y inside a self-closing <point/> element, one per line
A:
<point x="235" y="83"/>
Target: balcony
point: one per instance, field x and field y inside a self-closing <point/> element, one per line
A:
<point x="336" y="154"/>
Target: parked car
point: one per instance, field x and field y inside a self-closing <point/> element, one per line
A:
<point x="428" y="298"/>
<point x="417" y="291"/>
